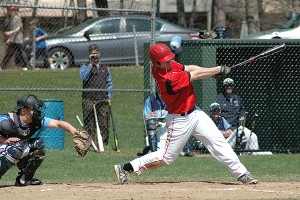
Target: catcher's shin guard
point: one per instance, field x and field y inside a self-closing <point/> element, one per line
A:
<point x="30" y="163"/>
<point x="153" y="142"/>
<point x="151" y="125"/>
<point x="5" y="165"/>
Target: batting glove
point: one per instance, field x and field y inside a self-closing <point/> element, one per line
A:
<point x="225" y="70"/>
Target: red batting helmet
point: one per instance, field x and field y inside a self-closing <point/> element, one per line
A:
<point x="160" y="53"/>
<point x="13" y="8"/>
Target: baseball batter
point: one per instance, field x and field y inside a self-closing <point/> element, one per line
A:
<point x="184" y="119"/>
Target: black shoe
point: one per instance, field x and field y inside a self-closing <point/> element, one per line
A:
<point x="33" y="181"/>
<point x="189" y="154"/>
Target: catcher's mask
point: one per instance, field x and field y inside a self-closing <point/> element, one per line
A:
<point x="31" y="101"/>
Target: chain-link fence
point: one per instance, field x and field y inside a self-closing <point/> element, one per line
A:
<point x="268" y="87"/>
<point x="69" y="37"/>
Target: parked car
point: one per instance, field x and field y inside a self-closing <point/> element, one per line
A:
<point x="114" y="35"/>
<point x="290" y="30"/>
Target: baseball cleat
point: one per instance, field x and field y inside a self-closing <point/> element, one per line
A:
<point x="122" y="175"/>
<point x="247" y="179"/>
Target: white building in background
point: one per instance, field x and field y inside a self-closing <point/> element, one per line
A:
<point x="166" y="6"/>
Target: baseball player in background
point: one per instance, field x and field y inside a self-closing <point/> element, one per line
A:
<point x="184" y="119"/>
<point x="234" y="111"/>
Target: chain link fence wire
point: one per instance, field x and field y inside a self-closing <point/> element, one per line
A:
<point x="69" y="37"/>
<point x="268" y="87"/>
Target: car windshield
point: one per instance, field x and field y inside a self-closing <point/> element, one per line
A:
<point x="292" y="23"/>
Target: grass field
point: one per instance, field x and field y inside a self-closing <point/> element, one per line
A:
<point x="64" y="166"/>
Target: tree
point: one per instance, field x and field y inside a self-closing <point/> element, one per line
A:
<point x="193" y="15"/>
<point x="252" y="16"/>
<point x="181" y="13"/>
<point x="157" y="8"/>
<point x="102" y="4"/>
<point x="218" y="14"/>
<point x="82" y="15"/>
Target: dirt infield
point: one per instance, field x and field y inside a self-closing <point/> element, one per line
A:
<point x="154" y="191"/>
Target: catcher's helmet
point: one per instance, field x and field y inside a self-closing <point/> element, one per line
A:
<point x="93" y="47"/>
<point x="214" y="107"/>
<point x="29" y="101"/>
<point x="228" y="81"/>
<point x="160" y="53"/>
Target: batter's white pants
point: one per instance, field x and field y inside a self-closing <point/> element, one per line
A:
<point x="180" y="128"/>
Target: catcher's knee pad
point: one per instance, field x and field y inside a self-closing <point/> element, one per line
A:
<point x="151" y="125"/>
<point x="14" y="151"/>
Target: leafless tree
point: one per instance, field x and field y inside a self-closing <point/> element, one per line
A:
<point x="193" y="15"/>
<point x="181" y="13"/>
<point x="252" y="16"/>
<point x="219" y="14"/>
<point x="102" y="4"/>
<point x="158" y="8"/>
<point x="82" y="15"/>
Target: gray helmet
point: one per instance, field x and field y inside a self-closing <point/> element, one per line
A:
<point x="228" y="81"/>
<point x="214" y="107"/>
<point x="29" y="101"/>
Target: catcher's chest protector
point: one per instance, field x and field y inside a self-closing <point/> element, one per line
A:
<point x="17" y="131"/>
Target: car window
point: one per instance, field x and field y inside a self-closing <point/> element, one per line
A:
<point x="107" y="26"/>
<point x="141" y="25"/>
<point x="292" y="23"/>
<point x="158" y="26"/>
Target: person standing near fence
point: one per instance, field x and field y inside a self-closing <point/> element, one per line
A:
<point x="17" y="146"/>
<point x="174" y="82"/>
<point x="40" y="36"/>
<point x="14" y="39"/>
<point x="96" y="76"/>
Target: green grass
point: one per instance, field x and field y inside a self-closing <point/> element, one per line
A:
<point x="64" y="166"/>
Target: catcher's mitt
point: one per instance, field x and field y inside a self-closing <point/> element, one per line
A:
<point x="82" y="141"/>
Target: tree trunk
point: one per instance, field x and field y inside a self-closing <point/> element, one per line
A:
<point x="82" y="15"/>
<point x="193" y="15"/>
<point x="121" y="4"/>
<point x="102" y="4"/>
<point x="181" y="13"/>
<point x="219" y="14"/>
<point x="252" y="16"/>
<point x="157" y="8"/>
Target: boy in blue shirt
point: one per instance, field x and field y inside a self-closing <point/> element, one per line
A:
<point x="40" y="36"/>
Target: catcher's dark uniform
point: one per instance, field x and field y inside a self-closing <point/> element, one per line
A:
<point x="28" y="153"/>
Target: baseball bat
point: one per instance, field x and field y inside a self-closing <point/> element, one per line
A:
<point x="114" y="129"/>
<point x="93" y="143"/>
<point x="253" y="124"/>
<point x="261" y="55"/>
<point x="100" y="141"/>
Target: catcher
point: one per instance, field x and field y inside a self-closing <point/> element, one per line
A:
<point x="17" y="147"/>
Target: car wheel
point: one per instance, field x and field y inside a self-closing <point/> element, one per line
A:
<point x="61" y="58"/>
